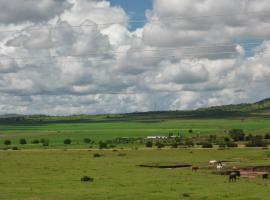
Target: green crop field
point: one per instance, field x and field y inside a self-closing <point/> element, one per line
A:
<point x="56" y="174"/>
<point x="57" y="132"/>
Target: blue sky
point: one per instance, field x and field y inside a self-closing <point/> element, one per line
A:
<point x="134" y="8"/>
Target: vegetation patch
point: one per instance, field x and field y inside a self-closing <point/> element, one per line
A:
<point x="165" y="165"/>
<point x="87" y="179"/>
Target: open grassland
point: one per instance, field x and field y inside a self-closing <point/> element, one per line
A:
<point x="103" y="129"/>
<point x="56" y="174"/>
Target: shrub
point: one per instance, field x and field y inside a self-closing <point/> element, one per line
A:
<point x="237" y="134"/>
<point x="87" y="179"/>
<point x="112" y="146"/>
<point x="15" y="148"/>
<point x="42" y="140"/>
<point x="87" y="140"/>
<point x="189" y="143"/>
<point x="232" y="144"/>
<point x="7" y="142"/>
<point x="186" y="195"/>
<point x="256" y="143"/>
<point x="212" y="138"/>
<point x="67" y="141"/>
<point x="207" y="145"/>
<point x="102" y="145"/>
<point x="149" y="144"/>
<point x="96" y="155"/>
<point x="160" y="145"/>
<point x="190" y="131"/>
<point x="267" y="136"/>
<point x="222" y="145"/>
<point x="35" y="141"/>
<point x="249" y="137"/>
<point x="46" y="143"/>
<point x="174" y="145"/>
<point x="23" y="141"/>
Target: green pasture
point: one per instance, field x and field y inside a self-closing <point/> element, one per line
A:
<point x="56" y="132"/>
<point x="56" y="174"/>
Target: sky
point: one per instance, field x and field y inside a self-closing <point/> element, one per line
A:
<point x="134" y="9"/>
<point x="65" y="57"/>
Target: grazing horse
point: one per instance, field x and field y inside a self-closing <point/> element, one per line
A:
<point x="232" y="177"/>
<point x="195" y="169"/>
<point x="265" y="176"/>
<point x="213" y="162"/>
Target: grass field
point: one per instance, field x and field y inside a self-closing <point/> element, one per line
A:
<point x="101" y="130"/>
<point x="55" y="175"/>
<point x="54" y="172"/>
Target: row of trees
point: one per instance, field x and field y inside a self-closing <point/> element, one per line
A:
<point x="45" y="142"/>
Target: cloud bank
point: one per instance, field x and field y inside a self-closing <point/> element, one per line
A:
<point x="71" y="57"/>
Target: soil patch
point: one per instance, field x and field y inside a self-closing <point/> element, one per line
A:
<point x="165" y="165"/>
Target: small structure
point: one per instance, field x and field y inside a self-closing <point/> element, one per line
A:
<point x="156" y="137"/>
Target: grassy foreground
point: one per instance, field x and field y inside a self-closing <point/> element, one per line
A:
<point x="56" y="174"/>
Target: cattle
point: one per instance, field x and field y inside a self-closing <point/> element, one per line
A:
<point x="232" y="177"/>
<point x="265" y="176"/>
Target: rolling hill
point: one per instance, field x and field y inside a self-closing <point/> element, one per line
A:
<point x="257" y="109"/>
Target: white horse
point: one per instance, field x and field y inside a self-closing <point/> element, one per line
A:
<point x="213" y="162"/>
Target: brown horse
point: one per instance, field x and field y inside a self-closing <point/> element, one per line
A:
<point x="195" y="169"/>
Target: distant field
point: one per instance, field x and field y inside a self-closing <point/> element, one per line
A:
<point x="56" y="132"/>
<point x="56" y="174"/>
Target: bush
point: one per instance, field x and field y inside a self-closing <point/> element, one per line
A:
<point x="256" y="143"/>
<point x="7" y="142"/>
<point x="267" y="136"/>
<point x="237" y="134"/>
<point x="186" y="195"/>
<point x="222" y="145"/>
<point x="67" y="141"/>
<point x="149" y="144"/>
<point x="190" y="131"/>
<point x="189" y="143"/>
<point x="160" y="145"/>
<point x="87" y="140"/>
<point x="97" y="155"/>
<point x="87" y="179"/>
<point x="207" y="145"/>
<point x="15" y="148"/>
<point x="249" y="137"/>
<point x="112" y="146"/>
<point x="23" y="141"/>
<point x="174" y="145"/>
<point x="42" y="140"/>
<point x="35" y="141"/>
<point x="46" y="143"/>
<point x="232" y="144"/>
<point x="102" y="145"/>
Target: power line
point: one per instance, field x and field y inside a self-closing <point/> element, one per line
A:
<point x="94" y="53"/>
<point x="186" y="56"/>
<point x="165" y="19"/>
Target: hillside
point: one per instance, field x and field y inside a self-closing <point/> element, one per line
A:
<point x="258" y="109"/>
